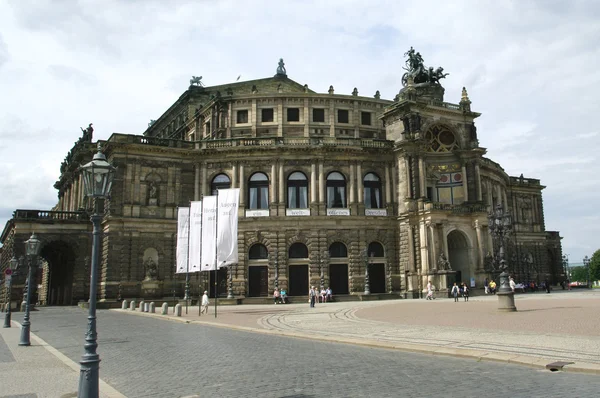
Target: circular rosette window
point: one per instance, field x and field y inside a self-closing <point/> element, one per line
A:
<point x="440" y="139"/>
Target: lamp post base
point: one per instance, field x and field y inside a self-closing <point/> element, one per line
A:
<point x="506" y="301"/>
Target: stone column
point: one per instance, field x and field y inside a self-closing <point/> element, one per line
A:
<point x="407" y="176"/>
<point x="351" y="186"/>
<point x="424" y="252"/>
<point x="411" y="249"/>
<point x="279" y="118"/>
<point x="505" y="199"/>
<point x="204" y="178"/>
<point x="490" y="200"/>
<point x="480" y="257"/>
<point x="499" y="195"/>
<point x="444" y="239"/>
<point x="433" y="232"/>
<point x="234" y="175"/>
<point x="359" y="180"/>
<point x="321" y="183"/>
<point x="197" y="181"/>
<point x="242" y="187"/>
<point x="422" y="184"/>
<point x="464" y="180"/>
<point x="254" y="117"/>
<point x="273" y="196"/>
<point x="388" y="186"/>
<point x="281" y="176"/>
<point x="478" y="181"/>
<point x="313" y="183"/>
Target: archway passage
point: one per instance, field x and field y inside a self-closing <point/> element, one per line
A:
<point x="59" y="281"/>
<point x="458" y="255"/>
<point x="298" y="280"/>
<point x="338" y="278"/>
<point x="221" y="282"/>
<point x="258" y="281"/>
<point x="377" y="278"/>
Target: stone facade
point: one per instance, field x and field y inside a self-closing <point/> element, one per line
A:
<point x="328" y="184"/>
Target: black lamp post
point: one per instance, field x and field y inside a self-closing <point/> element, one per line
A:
<point x="586" y="263"/>
<point x="32" y="248"/>
<point x="230" y="282"/>
<point x="14" y="264"/>
<point x="565" y="261"/>
<point x="500" y="227"/>
<point x="97" y="181"/>
<point x="367" y="287"/>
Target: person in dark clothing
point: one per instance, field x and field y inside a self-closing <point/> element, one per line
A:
<point x="547" y="286"/>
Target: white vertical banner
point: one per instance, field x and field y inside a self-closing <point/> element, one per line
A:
<point x="183" y="220"/>
<point x="209" y="232"/>
<point x="195" y="235"/>
<point x="227" y="228"/>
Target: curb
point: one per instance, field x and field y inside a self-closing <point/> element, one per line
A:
<point x="105" y="388"/>
<point x="478" y="355"/>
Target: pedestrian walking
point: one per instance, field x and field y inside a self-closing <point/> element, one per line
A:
<point x="455" y="292"/>
<point x="312" y="296"/>
<point x="204" y="303"/>
<point x="465" y="292"/>
<point x="547" y="286"/>
<point x="486" y="285"/>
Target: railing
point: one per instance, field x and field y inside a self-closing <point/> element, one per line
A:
<point x="446" y="105"/>
<point x="49" y="215"/>
<point x="156" y="141"/>
<point x="458" y="209"/>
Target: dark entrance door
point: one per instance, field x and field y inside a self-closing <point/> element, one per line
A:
<point x="458" y="277"/>
<point x="377" y="278"/>
<point x="221" y="282"/>
<point x="258" y="281"/>
<point x="338" y="278"/>
<point x="298" y="280"/>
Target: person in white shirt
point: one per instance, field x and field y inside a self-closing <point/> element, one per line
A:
<point x="204" y="303"/>
<point x="455" y="292"/>
<point x="512" y="284"/>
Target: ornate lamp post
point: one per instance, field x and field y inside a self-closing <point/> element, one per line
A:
<point x="500" y="226"/>
<point x="230" y="282"/>
<point x="565" y="261"/>
<point x="366" y="255"/>
<point x="586" y="263"/>
<point x="97" y="181"/>
<point x="14" y="264"/>
<point x="32" y="248"/>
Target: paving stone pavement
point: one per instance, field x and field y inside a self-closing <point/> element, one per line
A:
<point x="144" y="356"/>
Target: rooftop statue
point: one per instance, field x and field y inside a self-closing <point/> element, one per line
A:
<point x="87" y="133"/>
<point x="281" y="68"/>
<point x="196" y="81"/>
<point x="416" y="69"/>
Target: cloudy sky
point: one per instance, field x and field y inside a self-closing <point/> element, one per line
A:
<point x="531" y="67"/>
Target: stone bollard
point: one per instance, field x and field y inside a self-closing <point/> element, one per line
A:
<point x="142" y="306"/>
<point x="146" y="307"/>
<point x="151" y="307"/>
<point x="124" y="305"/>
<point x="132" y="305"/>
<point x="164" y="309"/>
<point x="177" y="310"/>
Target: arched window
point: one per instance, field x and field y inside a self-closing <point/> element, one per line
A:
<point x="372" y="185"/>
<point x="258" y="191"/>
<point x="258" y="252"/>
<point x="297" y="186"/>
<point x="220" y="181"/>
<point x="338" y="249"/>
<point x="298" y="250"/>
<point x="336" y="191"/>
<point x="440" y="139"/>
<point x="376" y="250"/>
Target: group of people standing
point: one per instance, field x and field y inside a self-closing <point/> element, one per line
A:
<point x="462" y="290"/>
<point x="324" y="296"/>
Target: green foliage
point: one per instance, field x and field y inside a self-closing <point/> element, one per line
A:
<point x="595" y="266"/>
<point x="579" y="274"/>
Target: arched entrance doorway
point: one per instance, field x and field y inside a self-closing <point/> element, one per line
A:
<point x="58" y="281"/>
<point x="338" y="268"/>
<point x="298" y="270"/>
<point x="376" y="267"/>
<point x="258" y="271"/>
<point x="458" y="255"/>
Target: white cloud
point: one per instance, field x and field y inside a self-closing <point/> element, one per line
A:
<point x="530" y="68"/>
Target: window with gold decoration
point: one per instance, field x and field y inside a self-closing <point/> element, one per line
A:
<point x="440" y="139"/>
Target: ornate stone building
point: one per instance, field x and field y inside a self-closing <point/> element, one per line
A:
<point x="331" y="185"/>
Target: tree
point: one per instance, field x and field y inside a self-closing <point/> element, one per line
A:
<point x="579" y="274"/>
<point x="595" y="266"/>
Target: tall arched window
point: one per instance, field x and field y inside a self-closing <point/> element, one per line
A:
<point x="297" y="191"/>
<point x="336" y="190"/>
<point x="298" y="250"/>
<point x="258" y="251"/>
<point x="338" y="249"/>
<point x="258" y="191"/>
<point x="372" y="185"/>
<point x="376" y="250"/>
<point x="221" y="181"/>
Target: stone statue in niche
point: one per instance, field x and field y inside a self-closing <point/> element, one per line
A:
<point x="443" y="263"/>
<point x="152" y="194"/>
<point x="151" y="269"/>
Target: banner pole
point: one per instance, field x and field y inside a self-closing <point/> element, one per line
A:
<point x="216" y="253"/>
<point x="187" y="274"/>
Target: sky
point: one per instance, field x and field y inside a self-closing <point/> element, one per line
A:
<point x="530" y="67"/>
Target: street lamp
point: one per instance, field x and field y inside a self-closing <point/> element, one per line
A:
<point x="586" y="263"/>
<point x="500" y="227"/>
<point x="366" y="255"/>
<point x="230" y="282"/>
<point x="565" y="261"/>
<point x="97" y="181"/>
<point x="32" y="248"/>
<point x="13" y="265"/>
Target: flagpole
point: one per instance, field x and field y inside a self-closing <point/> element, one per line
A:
<point x="216" y="253"/>
<point x="187" y="274"/>
<point x="200" y="290"/>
